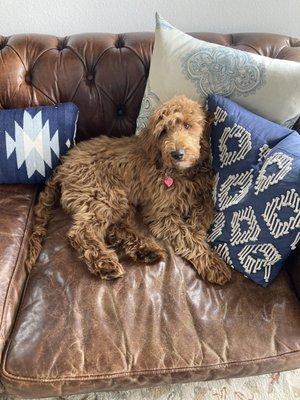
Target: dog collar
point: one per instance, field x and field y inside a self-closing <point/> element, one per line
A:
<point x="168" y="181"/>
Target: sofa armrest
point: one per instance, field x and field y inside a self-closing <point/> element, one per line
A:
<point x="16" y="217"/>
<point x="293" y="269"/>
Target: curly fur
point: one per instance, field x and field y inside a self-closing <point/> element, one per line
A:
<point x="104" y="181"/>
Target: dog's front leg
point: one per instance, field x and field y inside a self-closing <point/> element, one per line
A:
<point x="200" y="218"/>
<point x="136" y="244"/>
<point x="193" y="247"/>
<point x="206" y="261"/>
<point x="87" y="238"/>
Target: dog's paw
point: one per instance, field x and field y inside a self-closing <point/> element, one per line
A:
<point x="108" y="270"/>
<point x="148" y="253"/>
<point x="109" y="274"/>
<point x="148" y="256"/>
<point x="218" y="272"/>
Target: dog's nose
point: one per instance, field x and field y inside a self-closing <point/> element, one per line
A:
<point x="177" y="154"/>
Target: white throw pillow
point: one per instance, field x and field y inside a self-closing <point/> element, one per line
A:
<point x="181" y="64"/>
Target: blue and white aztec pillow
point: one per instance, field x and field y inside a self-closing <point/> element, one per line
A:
<point x="257" y="190"/>
<point x="181" y="64"/>
<point x="32" y="140"/>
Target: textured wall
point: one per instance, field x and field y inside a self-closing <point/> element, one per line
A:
<point x="63" y="17"/>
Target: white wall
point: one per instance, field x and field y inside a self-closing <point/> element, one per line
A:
<point x="62" y="17"/>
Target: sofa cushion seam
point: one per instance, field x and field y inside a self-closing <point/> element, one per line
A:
<point x="13" y="377"/>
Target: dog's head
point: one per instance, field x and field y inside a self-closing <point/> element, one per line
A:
<point x="178" y="132"/>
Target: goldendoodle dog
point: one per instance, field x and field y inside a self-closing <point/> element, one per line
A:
<point x="164" y="173"/>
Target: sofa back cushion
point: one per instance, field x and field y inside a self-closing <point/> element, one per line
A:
<point x="103" y="74"/>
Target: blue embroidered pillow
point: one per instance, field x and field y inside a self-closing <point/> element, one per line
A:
<point x="257" y="190"/>
<point x="32" y="141"/>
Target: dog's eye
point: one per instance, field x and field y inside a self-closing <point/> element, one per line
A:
<point x="163" y="132"/>
<point x="186" y="126"/>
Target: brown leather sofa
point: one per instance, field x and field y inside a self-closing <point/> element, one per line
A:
<point x="63" y="331"/>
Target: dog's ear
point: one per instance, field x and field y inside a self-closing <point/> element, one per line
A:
<point x="151" y="133"/>
<point x="206" y="136"/>
<point x="156" y="121"/>
<point x="209" y="119"/>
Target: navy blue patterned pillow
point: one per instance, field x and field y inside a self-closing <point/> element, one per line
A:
<point x="33" y="139"/>
<point x="257" y="190"/>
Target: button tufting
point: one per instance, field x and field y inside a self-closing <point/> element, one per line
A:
<point x="120" y="111"/>
<point x="90" y="77"/>
<point x="93" y="76"/>
<point x="62" y="44"/>
<point x="28" y="77"/>
<point x="3" y="43"/>
<point x="120" y="42"/>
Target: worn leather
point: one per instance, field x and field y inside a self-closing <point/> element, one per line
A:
<point x="16" y="205"/>
<point x="159" y="324"/>
<point x="104" y="74"/>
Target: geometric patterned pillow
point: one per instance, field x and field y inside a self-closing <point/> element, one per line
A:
<point x="257" y="190"/>
<point x="32" y="140"/>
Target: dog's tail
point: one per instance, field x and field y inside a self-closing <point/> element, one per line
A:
<point x="42" y="215"/>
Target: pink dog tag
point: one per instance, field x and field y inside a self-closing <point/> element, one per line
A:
<point x="168" y="181"/>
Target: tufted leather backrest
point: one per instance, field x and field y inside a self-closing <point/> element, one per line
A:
<point x="104" y="74"/>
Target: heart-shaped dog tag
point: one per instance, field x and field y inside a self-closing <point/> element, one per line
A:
<point x="168" y="181"/>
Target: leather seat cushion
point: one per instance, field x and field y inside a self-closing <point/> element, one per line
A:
<point x="158" y="324"/>
<point x="16" y="209"/>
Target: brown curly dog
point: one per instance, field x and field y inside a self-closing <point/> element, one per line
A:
<point x="165" y="172"/>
